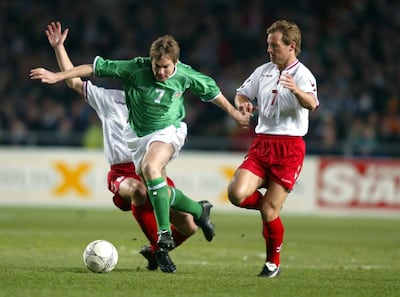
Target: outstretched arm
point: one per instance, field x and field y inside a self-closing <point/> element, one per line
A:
<point x="49" y="77"/>
<point x="56" y="39"/>
<point x="242" y="119"/>
<point x="69" y="73"/>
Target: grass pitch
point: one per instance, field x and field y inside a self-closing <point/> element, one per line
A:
<point x="41" y="255"/>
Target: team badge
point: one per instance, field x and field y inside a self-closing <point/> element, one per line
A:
<point x="177" y="94"/>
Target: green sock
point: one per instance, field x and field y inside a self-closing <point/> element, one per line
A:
<point x="181" y="202"/>
<point x="158" y="192"/>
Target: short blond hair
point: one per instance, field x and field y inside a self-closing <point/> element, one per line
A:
<point x="290" y="33"/>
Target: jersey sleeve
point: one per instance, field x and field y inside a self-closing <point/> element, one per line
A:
<point x="202" y="85"/>
<point x="119" y="69"/>
<point x="250" y="85"/>
<point x="307" y="83"/>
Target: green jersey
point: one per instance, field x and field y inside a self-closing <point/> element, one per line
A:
<point x="154" y="105"/>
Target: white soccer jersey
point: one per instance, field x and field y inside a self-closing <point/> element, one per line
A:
<point x="279" y="111"/>
<point x="111" y="109"/>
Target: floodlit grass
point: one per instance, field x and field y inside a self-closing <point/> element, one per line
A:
<point x="41" y="255"/>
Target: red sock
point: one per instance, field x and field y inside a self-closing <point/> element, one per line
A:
<point x="273" y="236"/>
<point x="265" y="235"/>
<point x="146" y="219"/>
<point x="179" y="238"/>
<point x="253" y="201"/>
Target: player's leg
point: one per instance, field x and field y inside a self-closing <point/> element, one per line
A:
<point x="154" y="162"/>
<point x="153" y="165"/>
<point x="285" y="159"/>
<point x="273" y="229"/>
<point x="135" y="193"/>
<point x="242" y="192"/>
<point x="183" y="226"/>
<point x="199" y="210"/>
<point x="133" y="190"/>
<point x="243" y="189"/>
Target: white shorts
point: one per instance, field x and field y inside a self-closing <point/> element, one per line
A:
<point x="139" y="145"/>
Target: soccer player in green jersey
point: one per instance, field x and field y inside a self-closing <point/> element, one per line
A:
<point x="154" y="88"/>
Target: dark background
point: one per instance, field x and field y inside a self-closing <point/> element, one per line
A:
<point x="351" y="46"/>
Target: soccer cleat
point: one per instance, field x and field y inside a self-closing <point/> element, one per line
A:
<point x="164" y="261"/>
<point x="270" y="270"/>
<point x="145" y="251"/>
<point x="204" y="222"/>
<point x="165" y="241"/>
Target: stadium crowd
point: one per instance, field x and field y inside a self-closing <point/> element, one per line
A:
<point x="350" y="45"/>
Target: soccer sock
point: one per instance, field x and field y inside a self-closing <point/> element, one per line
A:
<point x="253" y="201"/>
<point x="273" y="236"/>
<point x="179" y="238"/>
<point x="144" y="215"/>
<point x="159" y="197"/>
<point x="181" y="202"/>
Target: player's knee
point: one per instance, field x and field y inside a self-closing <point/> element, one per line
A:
<point x="149" y="170"/>
<point x="121" y="203"/>
<point x="133" y="191"/>
<point x="270" y="210"/>
<point x="274" y="208"/>
<point x="139" y="195"/>
<point x="236" y="194"/>
<point x="139" y="199"/>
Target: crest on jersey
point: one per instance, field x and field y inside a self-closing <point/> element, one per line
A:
<point x="177" y="94"/>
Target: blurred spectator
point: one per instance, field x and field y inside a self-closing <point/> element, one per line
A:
<point x="361" y="140"/>
<point x="93" y="136"/>
<point x="351" y="45"/>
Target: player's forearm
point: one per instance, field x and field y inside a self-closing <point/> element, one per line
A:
<point x="307" y="100"/>
<point x="224" y="104"/>
<point x="62" y="58"/>
<point x="241" y="119"/>
<point x="65" y="63"/>
<point x="78" y="71"/>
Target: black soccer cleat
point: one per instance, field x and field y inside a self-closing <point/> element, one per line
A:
<point x="145" y="251"/>
<point x="164" y="261"/>
<point x="270" y="270"/>
<point x="165" y="241"/>
<point x="204" y="222"/>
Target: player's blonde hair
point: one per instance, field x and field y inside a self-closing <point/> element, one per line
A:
<point x="290" y="33"/>
<point x="165" y="46"/>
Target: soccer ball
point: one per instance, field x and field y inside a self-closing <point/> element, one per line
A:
<point x="100" y="256"/>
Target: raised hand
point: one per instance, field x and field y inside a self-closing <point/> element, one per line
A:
<point x="288" y="81"/>
<point x="54" y="34"/>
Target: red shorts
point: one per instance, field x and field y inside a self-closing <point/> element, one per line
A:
<point x="276" y="157"/>
<point x="117" y="174"/>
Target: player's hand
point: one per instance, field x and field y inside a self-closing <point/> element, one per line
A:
<point x="54" y="34"/>
<point x="242" y="119"/>
<point x="287" y="81"/>
<point x="44" y="75"/>
<point x="246" y="107"/>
